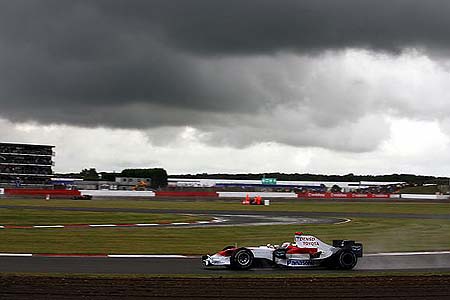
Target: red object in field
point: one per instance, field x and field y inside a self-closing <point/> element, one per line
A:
<point x="257" y="200"/>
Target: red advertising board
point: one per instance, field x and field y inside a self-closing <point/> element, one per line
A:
<point x="328" y="195"/>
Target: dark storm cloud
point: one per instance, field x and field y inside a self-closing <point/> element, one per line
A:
<point x="266" y="26"/>
<point x="142" y="64"/>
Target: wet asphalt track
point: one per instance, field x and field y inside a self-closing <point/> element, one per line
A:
<point x="192" y="265"/>
<point x="235" y="218"/>
<point x="224" y="218"/>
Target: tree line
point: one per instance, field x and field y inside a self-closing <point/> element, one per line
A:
<point x="409" y="178"/>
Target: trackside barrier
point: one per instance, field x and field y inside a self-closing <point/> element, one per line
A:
<point x="254" y="194"/>
<point x="109" y="193"/>
<point x="41" y="192"/>
<point x="328" y="195"/>
<point x="309" y="195"/>
<point x="185" y="194"/>
<point x="424" y="196"/>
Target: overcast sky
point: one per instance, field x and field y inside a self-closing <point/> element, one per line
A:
<point x="319" y="86"/>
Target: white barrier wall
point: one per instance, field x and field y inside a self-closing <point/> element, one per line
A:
<point x="109" y="193"/>
<point x="424" y="196"/>
<point x="2" y="191"/>
<point x="254" y="194"/>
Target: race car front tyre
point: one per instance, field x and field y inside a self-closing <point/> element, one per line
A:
<point x="346" y="260"/>
<point x="242" y="259"/>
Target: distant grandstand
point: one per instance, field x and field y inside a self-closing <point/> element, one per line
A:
<point x="25" y="164"/>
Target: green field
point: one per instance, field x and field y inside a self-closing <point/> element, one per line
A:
<point x="292" y="205"/>
<point x="377" y="234"/>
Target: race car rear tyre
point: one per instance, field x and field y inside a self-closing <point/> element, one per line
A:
<point x="242" y="259"/>
<point x="346" y="260"/>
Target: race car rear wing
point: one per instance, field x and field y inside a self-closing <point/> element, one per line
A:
<point x="356" y="248"/>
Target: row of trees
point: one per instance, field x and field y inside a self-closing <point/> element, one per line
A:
<point x="158" y="175"/>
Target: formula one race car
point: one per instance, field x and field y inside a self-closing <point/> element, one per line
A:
<point x="307" y="252"/>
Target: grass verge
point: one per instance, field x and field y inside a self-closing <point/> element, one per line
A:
<point x="377" y="235"/>
<point x="300" y="206"/>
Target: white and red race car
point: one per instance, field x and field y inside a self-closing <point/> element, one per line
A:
<point x="307" y="252"/>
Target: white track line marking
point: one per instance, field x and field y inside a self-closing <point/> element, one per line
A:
<point x="16" y="254"/>
<point x="343" y="222"/>
<point x="145" y="256"/>
<point x="216" y="220"/>
<point x="408" y="253"/>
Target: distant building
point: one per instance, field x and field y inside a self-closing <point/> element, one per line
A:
<point x="132" y="183"/>
<point x="120" y="183"/>
<point x="25" y="164"/>
<point x="95" y="185"/>
<point x="133" y="180"/>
